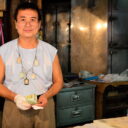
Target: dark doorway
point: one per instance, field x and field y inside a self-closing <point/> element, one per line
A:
<point x="56" y="28"/>
<point x="118" y="35"/>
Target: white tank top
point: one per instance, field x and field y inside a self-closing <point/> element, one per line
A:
<point x="45" y="56"/>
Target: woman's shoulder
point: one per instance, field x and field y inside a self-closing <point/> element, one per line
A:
<point x="9" y="44"/>
<point x="46" y="45"/>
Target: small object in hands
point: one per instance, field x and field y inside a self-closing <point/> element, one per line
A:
<point x="26" y="81"/>
<point x="21" y="102"/>
<point x="31" y="99"/>
<point x="37" y="107"/>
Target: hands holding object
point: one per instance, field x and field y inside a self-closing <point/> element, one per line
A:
<point x="27" y="102"/>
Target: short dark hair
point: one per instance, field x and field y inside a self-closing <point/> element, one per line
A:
<point x="27" y="5"/>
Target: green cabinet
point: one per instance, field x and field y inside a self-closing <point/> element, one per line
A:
<point x="75" y="105"/>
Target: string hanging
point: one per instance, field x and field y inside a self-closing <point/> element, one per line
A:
<point x="1" y="33"/>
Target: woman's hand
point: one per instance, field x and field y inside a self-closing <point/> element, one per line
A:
<point x="42" y="101"/>
<point x="21" y="102"/>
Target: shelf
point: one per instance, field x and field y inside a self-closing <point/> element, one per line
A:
<point x="122" y="106"/>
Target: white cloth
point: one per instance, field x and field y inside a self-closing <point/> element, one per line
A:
<point x="37" y="107"/>
<point x="45" y="56"/>
<point x="21" y="102"/>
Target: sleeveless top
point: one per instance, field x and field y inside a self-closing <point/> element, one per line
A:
<point x="45" y="56"/>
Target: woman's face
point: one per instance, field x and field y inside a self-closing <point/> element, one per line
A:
<point x="27" y="23"/>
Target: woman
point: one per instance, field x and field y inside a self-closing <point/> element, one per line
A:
<point x="29" y="66"/>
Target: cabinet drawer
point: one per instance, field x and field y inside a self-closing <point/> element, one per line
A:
<point x="74" y="115"/>
<point x="75" y="97"/>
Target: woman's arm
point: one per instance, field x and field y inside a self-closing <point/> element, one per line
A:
<point x="4" y="92"/>
<point x="57" y="79"/>
<point x="57" y="83"/>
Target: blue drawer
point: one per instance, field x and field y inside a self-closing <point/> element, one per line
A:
<point x="75" y="97"/>
<point x="74" y="115"/>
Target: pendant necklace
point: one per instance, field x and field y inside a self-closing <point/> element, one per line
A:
<point x="24" y="72"/>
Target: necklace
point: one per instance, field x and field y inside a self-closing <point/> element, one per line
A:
<point x="26" y="73"/>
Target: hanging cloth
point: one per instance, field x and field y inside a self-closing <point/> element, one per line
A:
<point x="1" y="33"/>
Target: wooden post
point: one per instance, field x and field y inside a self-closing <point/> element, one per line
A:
<point x="1" y="14"/>
<point x="39" y="3"/>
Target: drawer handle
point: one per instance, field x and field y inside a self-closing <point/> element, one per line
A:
<point x="76" y="113"/>
<point x="75" y="98"/>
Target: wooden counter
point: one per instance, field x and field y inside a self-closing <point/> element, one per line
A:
<point x="102" y="85"/>
<point x="119" y="122"/>
<point x="100" y="88"/>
